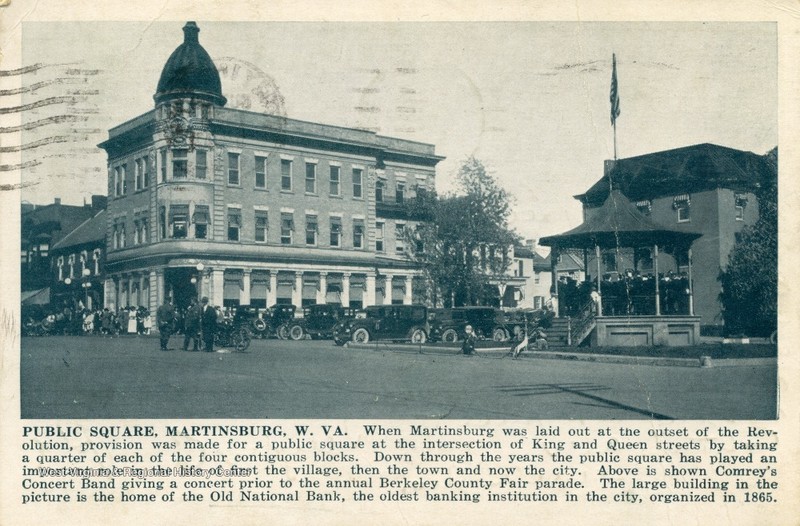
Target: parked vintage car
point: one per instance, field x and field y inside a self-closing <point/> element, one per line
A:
<point x="385" y="322"/>
<point x="448" y="325"/>
<point x="265" y="323"/>
<point x="318" y="321"/>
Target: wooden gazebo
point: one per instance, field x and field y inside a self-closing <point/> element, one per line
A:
<point x="619" y="224"/>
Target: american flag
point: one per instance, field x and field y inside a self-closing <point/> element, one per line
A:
<point x="614" y="92"/>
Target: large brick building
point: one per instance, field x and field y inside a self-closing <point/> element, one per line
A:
<point x="254" y="209"/>
<point x="704" y="189"/>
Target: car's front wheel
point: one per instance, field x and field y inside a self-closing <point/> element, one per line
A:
<point x="450" y="336"/>
<point x="418" y="336"/>
<point x="296" y="332"/>
<point x="361" y="336"/>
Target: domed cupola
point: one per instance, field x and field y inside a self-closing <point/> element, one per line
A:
<point x="190" y="73"/>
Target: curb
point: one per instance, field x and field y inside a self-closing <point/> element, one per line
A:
<point x="704" y="362"/>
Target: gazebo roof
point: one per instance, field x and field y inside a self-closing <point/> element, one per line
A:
<point x="618" y="223"/>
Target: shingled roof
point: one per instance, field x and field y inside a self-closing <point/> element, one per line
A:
<point x="690" y="169"/>
<point x="617" y="223"/>
<point x="91" y="231"/>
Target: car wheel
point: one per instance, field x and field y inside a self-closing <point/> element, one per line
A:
<point x="418" y="336"/>
<point x="259" y="325"/>
<point x="499" y="334"/>
<point x="282" y="332"/>
<point x="361" y="336"/>
<point x="450" y="336"/>
<point x="296" y="332"/>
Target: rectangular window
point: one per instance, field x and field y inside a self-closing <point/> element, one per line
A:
<point x="162" y="222"/>
<point x="179" y="220"/>
<point x="201" y="164"/>
<point x="124" y="176"/>
<point x="358" y="175"/>
<point x="261" y="172"/>
<point x="400" y="244"/>
<point x="180" y="167"/>
<point x="358" y="233"/>
<point x="163" y="154"/>
<point x="287" y="228"/>
<point x="138" y="183"/>
<point x="136" y="232"/>
<point x="144" y="231"/>
<point x="740" y="213"/>
<point x="379" y="192"/>
<point x="379" y="235"/>
<point x="286" y="175"/>
<point x="145" y="172"/>
<point x="234" y="223"/>
<point x="200" y="220"/>
<point x="335" y="172"/>
<point x="537" y="277"/>
<point x="233" y="169"/>
<point x="311" y="230"/>
<point x="262" y="222"/>
<point x="311" y="178"/>
<point x="400" y="192"/>
<point x="122" y="237"/>
<point x="117" y="181"/>
<point x="336" y="232"/>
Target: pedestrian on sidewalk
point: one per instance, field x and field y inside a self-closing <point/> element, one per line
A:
<point x="191" y="329"/>
<point x="165" y="317"/>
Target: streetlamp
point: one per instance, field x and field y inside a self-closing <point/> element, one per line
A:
<point x="199" y="279"/>
<point x="87" y="285"/>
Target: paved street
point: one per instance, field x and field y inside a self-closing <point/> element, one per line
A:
<point x="128" y="377"/>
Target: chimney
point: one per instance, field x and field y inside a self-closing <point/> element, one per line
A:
<point x="58" y="201"/>
<point x="530" y="243"/>
<point x="99" y="202"/>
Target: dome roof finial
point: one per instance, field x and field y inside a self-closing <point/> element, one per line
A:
<point x="190" y="72"/>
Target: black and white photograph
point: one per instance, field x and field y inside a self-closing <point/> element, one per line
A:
<point x="398" y="262"/>
<point x="499" y="220"/>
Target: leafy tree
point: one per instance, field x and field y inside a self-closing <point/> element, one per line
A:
<point x="464" y="242"/>
<point x="750" y="281"/>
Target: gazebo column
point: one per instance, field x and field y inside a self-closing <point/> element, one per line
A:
<point x="655" y="271"/>
<point x="554" y="278"/>
<point x="691" y="285"/>
<point x="599" y="279"/>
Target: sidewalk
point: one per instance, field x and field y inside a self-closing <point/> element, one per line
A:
<point x="564" y="354"/>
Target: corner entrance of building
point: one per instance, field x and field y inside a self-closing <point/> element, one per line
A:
<point x="180" y="284"/>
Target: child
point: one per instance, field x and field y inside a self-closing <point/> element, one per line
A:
<point x="468" y="347"/>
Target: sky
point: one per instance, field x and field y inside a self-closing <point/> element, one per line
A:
<point x="530" y="100"/>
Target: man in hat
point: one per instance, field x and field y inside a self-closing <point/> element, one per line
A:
<point x="165" y="317"/>
<point x="208" y="323"/>
<point x="191" y="329"/>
